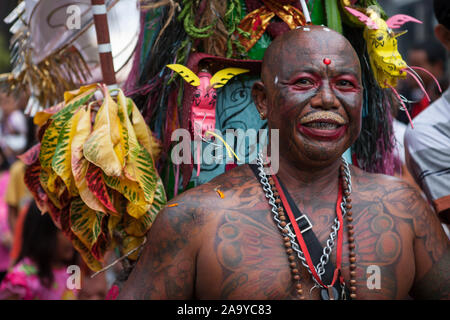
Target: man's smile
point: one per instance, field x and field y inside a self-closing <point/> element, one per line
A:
<point x="323" y="125"/>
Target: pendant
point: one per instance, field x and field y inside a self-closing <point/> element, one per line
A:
<point x="329" y="293"/>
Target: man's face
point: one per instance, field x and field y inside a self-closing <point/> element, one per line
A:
<point x="316" y="106"/>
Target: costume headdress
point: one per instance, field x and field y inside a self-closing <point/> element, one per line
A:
<point x="213" y="35"/>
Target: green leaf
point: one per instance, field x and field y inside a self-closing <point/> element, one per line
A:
<point x="333" y="15"/>
<point x="50" y="138"/>
<point x="139" y="227"/>
<point x="61" y="162"/>
<point x="84" y="222"/>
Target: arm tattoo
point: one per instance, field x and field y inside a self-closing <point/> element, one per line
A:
<point x="166" y="268"/>
<point x="435" y="284"/>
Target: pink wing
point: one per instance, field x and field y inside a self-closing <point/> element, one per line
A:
<point x="399" y="19"/>
<point x="363" y="18"/>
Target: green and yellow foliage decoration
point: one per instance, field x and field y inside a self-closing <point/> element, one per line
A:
<point x="94" y="173"/>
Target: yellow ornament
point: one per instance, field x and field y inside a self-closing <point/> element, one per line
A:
<point x="386" y="62"/>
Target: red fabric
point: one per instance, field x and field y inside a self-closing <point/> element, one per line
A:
<point x="112" y="293"/>
<point x="419" y="106"/>
<point x="297" y="231"/>
<point x="17" y="241"/>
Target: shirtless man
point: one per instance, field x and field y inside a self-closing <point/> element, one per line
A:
<point x="208" y="247"/>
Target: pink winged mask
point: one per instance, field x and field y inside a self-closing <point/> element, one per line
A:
<point x="203" y="107"/>
<point x="398" y="20"/>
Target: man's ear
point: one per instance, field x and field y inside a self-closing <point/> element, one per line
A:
<point x="260" y="98"/>
<point x="443" y="35"/>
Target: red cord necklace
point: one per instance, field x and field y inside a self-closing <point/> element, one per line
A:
<point x="302" y="243"/>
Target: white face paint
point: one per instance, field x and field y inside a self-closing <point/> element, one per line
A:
<point x="306" y="29"/>
<point x="276" y="80"/>
<point x="326" y="29"/>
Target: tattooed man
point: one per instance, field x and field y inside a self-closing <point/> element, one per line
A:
<point x="208" y="247"/>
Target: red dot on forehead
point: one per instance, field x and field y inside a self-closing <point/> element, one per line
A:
<point x="326" y="61"/>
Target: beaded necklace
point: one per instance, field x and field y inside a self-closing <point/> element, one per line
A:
<point x="271" y="188"/>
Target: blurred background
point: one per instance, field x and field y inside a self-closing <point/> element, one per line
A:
<point x="420" y="9"/>
<point x="5" y="9"/>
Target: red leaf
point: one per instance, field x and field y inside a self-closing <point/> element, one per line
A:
<point x="33" y="184"/>
<point x="56" y="214"/>
<point x="101" y="245"/>
<point x="95" y="183"/>
<point x="42" y="129"/>
<point x="31" y="155"/>
<point x="65" y="224"/>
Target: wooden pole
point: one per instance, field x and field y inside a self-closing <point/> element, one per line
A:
<point x="104" y="44"/>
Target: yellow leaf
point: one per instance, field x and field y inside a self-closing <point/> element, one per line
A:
<point x="48" y="180"/>
<point x="41" y="117"/>
<point x="139" y="227"/>
<point x="131" y="139"/>
<point x="129" y="244"/>
<point x="139" y="165"/>
<point x="79" y="164"/>
<point x="129" y="189"/>
<point x="84" y="222"/>
<point x="51" y="134"/>
<point x="143" y="133"/>
<point x="87" y="256"/>
<point x="79" y="93"/>
<point x="102" y="148"/>
<point x="136" y="210"/>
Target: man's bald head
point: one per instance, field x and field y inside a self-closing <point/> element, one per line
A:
<point x="309" y="76"/>
<point x="296" y="47"/>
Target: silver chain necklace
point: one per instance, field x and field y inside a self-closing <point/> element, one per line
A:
<point x="320" y="268"/>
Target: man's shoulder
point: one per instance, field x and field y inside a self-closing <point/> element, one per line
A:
<point x="381" y="186"/>
<point x="391" y="195"/>
<point x="363" y="177"/>
<point x="222" y="192"/>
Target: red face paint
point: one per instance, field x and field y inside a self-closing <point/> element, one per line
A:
<point x="310" y="83"/>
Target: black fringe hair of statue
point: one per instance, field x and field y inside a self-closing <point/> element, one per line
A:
<point x="154" y="71"/>
<point x="376" y="125"/>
